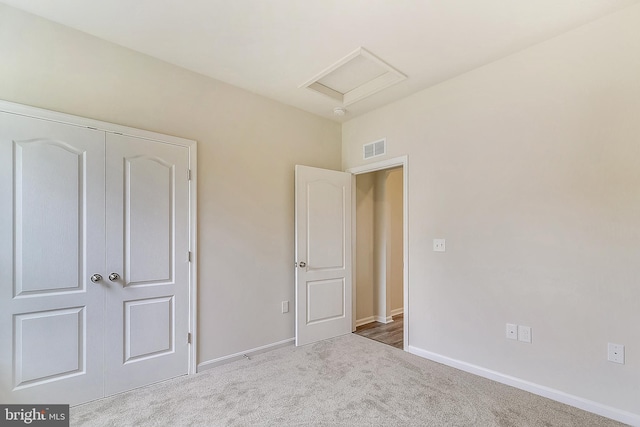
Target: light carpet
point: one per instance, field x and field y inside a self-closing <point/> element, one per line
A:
<point x="345" y="381"/>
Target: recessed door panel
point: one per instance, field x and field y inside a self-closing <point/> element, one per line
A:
<point x="326" y="233"/>
<point x="325" y="300"/>
<point x="58" y="334"/>
<point x="149" y="228"/>
<point x="49" y="206"/>
<point x="149" y="328"/>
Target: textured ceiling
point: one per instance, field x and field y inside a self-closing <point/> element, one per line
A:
<point x="271" y="47"/>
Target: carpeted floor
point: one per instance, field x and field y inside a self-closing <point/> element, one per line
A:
<point x="346" y="381"/>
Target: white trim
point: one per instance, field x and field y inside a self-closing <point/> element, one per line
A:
<point x="381" y="165"/>
<point x="382" y="319"/>
<point x="373" y="167"/>
<point x="365" y="321"/>
<point x="354" y="229"/>
<point x="71" y="120"/>
<point x="397" y="311"/>
<point x="193" y="247"/>
<point x="540" y="390"/>
<point x="241" y="355"/>
<point x="68" y="119"/>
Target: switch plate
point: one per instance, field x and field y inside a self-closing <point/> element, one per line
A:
<point x="524" y="333"/>
<point x="512" y="331"/>
<point x="285" y="307"/>
<point x="439" y="245"/>
<point x="615" y="353"/>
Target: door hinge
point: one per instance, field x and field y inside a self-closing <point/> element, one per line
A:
<point x="189" y="338"/>
<point x="188" y="174"/>
<point x="189" y="256"/>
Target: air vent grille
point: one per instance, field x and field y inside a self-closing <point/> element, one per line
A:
<point x="375" y="149"/>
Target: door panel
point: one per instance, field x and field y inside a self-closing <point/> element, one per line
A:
<point x="149" y="324"/>
<point x="328" y="300"/>
<point x="148" y="216"/>
<point x="49" y="174"/>
<point x="147" y="245"/>
<point x="326" y="233"/>
<point x="323" y="254"/>
<point x="64" y="348"/>
<point x="51" y="242"/>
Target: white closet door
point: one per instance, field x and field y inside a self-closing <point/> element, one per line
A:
<point x="51" y="242"/>
<point x="147" y="247"/>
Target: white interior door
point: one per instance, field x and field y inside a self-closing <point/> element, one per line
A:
<point x="77" y="202"/>
<point x="147" y="247"/>
<point x="51" y="242"/>
<point x="323" y="254"/>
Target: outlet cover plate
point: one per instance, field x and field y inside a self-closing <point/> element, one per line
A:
<point x="615" y="353"/>
<point x="439" y="245"/>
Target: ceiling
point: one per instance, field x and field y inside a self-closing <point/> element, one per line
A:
<point x="273" y="47"/>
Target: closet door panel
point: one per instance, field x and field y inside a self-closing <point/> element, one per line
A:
<point x="147" y="247"/>
<point x="51" y="242"/>
<point x="148" y="220"/>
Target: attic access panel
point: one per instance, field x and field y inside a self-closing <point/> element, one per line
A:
<point x="354" y="77"/>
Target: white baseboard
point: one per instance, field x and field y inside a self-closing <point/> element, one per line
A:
<point x="383" y="319"/>
<point x="540" y="390"/>
<point x="237" y="356"/>
<point x="380" y="319"/>
<point x="397" y="311"/>
<point x="365" y="321"/>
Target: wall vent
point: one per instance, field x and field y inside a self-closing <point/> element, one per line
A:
<point x="374" y="149"/>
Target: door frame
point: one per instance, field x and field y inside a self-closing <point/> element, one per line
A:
<point x="402" y="161"/>
<point x="39" y="113"/>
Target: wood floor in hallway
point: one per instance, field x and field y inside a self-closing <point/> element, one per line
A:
<point x="387" y="333"/>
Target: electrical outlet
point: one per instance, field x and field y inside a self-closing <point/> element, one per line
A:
<point x="524" y="333"/>
<point x="615" y="353"/>
<point x="512" y="331"/>
<point x="285" y="307"/>
<point x="439" y="245"/>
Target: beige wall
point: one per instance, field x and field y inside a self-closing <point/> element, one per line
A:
<point x="379" y="275"/>
<point x="247" y="148"/>
<point x="394" y="231"/>
<point x="530" y="168"/>
<point x="365" y="223"/>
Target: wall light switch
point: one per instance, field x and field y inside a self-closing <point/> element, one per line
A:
<point x="285" y="306"/>
<point x="438" y="245"/>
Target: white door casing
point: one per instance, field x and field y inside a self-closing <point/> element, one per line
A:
<point x="323" y="254"/>
<point x="67" y="339"/>
<point x="51" y="242"/>
<point x="403" y="162"/>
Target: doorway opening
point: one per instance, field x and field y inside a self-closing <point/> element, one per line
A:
<point x="379" y="280"/>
